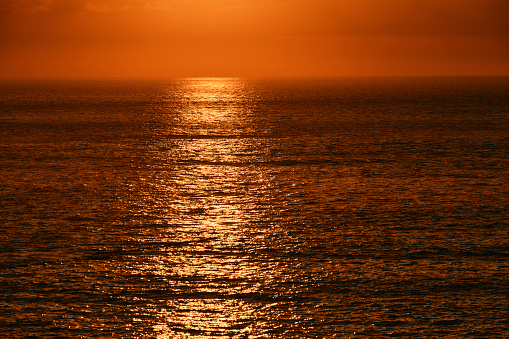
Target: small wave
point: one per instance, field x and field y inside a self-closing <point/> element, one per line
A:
<point x="217" y="136"/>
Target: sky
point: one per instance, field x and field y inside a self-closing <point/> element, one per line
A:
<point x="250" y="38"/>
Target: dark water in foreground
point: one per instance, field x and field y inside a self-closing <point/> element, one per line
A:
<point x="232" y="208"/>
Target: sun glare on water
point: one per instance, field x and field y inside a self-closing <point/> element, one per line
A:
<point x="212" y="196"/>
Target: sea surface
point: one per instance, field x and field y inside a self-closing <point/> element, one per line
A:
<point x="255" y="208"/>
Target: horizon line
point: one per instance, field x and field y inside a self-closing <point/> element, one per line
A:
<point x="248" y="77"/>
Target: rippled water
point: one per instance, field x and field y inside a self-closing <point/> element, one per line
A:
<point x="234" y="208"/>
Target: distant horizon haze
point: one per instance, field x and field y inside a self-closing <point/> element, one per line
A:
<point x="268" y="38"/>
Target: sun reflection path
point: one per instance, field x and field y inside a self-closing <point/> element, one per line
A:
<point x="209" y="264"/>
<point x="211" y="191"/>
<point x="211" y="106"/>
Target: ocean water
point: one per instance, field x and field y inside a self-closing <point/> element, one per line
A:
<point x="254" y="208"/>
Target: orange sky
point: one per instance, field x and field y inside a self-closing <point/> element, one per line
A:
<point x="168" y="38"/>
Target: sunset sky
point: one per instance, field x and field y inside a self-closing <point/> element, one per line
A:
<point x="174" y="38"/>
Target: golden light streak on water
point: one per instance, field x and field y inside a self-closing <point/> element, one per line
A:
<point x="208" y="106"/>
<point x="212" y="201"/>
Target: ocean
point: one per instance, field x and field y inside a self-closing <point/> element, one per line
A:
<point x="255" y="208"/>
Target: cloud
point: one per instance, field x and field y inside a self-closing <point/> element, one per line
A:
<point x="69" y="5"/>
<point x="24" y="6"/>
<point x="36" y="6"/>
<point x="297" y="18"/>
